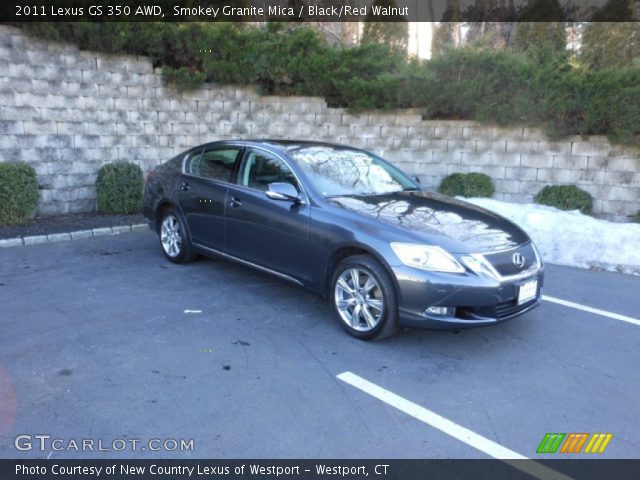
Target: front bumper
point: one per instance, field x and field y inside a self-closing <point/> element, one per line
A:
<point x="478" y="300"/>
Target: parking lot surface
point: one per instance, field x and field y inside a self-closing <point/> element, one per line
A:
<point x="104" y="339"/>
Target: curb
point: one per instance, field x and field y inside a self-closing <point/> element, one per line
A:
<point x="77" y="235"/>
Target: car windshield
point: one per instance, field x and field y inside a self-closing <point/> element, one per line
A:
<point x="342" y="171"/>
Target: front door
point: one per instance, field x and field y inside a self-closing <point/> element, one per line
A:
<point x="270" y="233"/>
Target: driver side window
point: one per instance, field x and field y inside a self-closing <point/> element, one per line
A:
<point x="260" y="168"/>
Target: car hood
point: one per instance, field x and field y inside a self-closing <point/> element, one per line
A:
<point x="437" y="219"/>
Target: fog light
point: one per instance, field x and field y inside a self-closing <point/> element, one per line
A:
<point x="442" y="311"/>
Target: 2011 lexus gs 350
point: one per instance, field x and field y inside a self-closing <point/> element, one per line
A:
<point x="349" y="225"/>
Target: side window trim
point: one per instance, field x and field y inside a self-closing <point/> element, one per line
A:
<point x="188" y="156"/>
<point x="236" y="168"/>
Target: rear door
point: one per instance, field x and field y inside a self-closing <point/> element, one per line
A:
<point x="270" y="233"/>
<point x="203" y="190"/>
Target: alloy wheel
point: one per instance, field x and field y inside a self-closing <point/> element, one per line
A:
<point x="171" y="236"/>
<point x="359" y="299"/>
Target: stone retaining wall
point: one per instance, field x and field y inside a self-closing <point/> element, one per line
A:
<point x="67" y="112"/>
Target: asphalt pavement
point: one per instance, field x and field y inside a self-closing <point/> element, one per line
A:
<point x="103" y="339"/>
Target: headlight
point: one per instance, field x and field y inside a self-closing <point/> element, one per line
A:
<point x="426" y="257"/>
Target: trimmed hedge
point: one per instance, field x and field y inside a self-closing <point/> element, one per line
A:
<point x="120" y="187"/>
<point x="18" y="193"/>
<point x="467" y="185"/>
<point x="565" y="197"/>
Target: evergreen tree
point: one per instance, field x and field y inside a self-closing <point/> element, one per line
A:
<point x="610" y="44"/>
<point x="541" y="35"/>
<point x="446" y="35"/>
<point x="394" y="33"/>
<point x="443" y="38"/>
<point x="497" y="35"/>
<point x="543" y="26"/>
<point x="610" y="40"/>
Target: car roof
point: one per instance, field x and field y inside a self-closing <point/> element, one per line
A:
<point x="285" y="145"/>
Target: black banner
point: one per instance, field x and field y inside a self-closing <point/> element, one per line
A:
<point x="316" y="469"/>
<point x="319" y="10"/>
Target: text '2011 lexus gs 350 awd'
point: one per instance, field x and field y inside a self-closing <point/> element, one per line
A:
<point x="349" y="225"/>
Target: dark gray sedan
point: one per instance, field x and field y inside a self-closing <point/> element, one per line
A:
<point x="349" y="225"/>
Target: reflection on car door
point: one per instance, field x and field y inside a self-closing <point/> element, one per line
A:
<point x="203" y="190"/>
<point x="270" y="233"/>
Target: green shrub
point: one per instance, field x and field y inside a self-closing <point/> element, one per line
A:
<point x="614" y="107"/>
<point x="119" y="187"/>
<point x="478" y="185"/>
<point x="452" y="185"/>
<point x="482" y="84"/>
<point x="290" y="61"/>
<point x="183" y="78"/>
<point x="18" y="193"/>
<point x="232" y="58"/>
<point x="365" y="77"/>
<point x="467" y="185"/>
<point x="565" y="197"/>
<point x="587" y="102"/>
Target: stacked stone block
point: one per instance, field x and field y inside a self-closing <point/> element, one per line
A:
<point x="67" y="112"/>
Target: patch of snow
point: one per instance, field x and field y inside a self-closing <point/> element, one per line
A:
<point x="571" y="238"/>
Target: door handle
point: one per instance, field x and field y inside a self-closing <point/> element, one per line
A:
<point x="235" y="202"/>
<point x="185" y="186"/>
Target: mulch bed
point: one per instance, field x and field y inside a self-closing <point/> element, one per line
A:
<point x="69" y="223"/>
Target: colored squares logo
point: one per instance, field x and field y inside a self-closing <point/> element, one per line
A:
<point x="550" y="442"/>
<point x="598" y="443"/>
<point x="574" y="443"/>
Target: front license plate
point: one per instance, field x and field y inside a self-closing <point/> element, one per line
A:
<point x="527" y="291"/>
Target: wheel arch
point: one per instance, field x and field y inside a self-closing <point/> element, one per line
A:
<point x="346" y="251"/>
<point x="159" y="210"/>
<point x="163" y="205"/>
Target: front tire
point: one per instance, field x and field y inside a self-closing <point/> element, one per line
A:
<point x="364" y="298"/>
<point x="174" y="238"/>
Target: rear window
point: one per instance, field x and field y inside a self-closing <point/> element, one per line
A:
<point x="214" y="164"/>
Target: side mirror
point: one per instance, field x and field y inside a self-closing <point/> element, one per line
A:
<point x="416" y="179"/>
<point x="283" y="191"/>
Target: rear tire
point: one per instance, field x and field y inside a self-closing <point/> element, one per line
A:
<point x="364" y="298"/>
<point x="174" y="238"/>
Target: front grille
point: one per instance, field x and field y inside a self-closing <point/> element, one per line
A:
<point x="503" y="261"/>
<point x="500" y="311"/>
<point x="507" y="309"/>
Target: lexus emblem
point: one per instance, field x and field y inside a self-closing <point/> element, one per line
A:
<point x="518" y="259"/>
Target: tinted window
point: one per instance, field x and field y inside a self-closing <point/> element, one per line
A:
<point x="259" y="169"/>
<point x="216" y="164"/>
